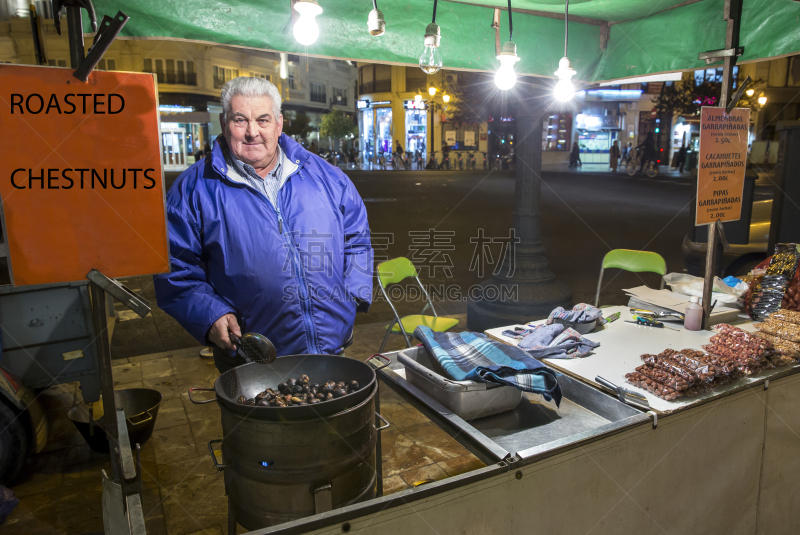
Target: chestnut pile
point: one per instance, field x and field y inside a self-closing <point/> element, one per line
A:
<point x="300" y="391"/>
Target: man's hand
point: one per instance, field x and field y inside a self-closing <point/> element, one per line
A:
<point x="218" y="334"/>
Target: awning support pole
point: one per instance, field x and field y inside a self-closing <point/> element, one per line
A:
<point x="732" y="14"/>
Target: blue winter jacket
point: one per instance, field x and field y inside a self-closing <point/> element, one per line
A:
<point x="296" y="272"/>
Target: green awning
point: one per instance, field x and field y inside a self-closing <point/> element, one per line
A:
<point x="644" y="36"/>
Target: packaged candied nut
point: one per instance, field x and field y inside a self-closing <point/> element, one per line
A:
<point x="741" y="355"/>
<point x="784" y="347"/>
<point x="768" y="295"/>
<point x="778" y="360"/>
<point x="665" y="378"/>
<point x="654" y="387"/>
<point x="789" y="316"/>
<point x="663" y="364"/>
<point x="781" y="329"/>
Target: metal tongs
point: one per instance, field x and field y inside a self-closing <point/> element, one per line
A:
<point x="643" y="312"/>
<point x="625" y="395"/>
<point x="254" y="347"/>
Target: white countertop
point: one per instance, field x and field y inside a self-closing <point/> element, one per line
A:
<point x="622" y="344"/>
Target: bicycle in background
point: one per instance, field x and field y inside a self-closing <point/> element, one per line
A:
<point x="471" y="160"/>
<point x="432" y="164"/>
<point x="460" y="162"/>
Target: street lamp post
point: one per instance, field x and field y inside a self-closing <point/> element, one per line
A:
<point x="525" y="288"/>
<point x="433" y="106"/>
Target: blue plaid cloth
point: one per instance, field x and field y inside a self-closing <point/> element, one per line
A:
<point x="472" y="356"/>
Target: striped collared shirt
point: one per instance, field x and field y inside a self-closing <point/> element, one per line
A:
<point x="270" y="185"/>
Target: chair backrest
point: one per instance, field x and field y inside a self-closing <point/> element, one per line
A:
<point x="635" y="261"/>
<point x="395" y="270"/>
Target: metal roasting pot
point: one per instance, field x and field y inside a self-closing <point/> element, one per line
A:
<point x="285" y="463"/>
<point x="249" y="379"/>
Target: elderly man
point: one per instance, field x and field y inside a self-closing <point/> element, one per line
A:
<point x="265" y="237"/>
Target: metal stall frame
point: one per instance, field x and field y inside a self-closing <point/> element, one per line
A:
<point x="745" y="429"/>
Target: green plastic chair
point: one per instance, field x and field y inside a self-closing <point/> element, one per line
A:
<point x="633" y="261"/>
<point x="397" y="270"/>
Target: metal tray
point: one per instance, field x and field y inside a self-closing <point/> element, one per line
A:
<point x="468" y="399"/>
<point x="533" y="429"/>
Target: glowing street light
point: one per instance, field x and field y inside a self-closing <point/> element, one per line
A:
<point x="762" y="100"/>
<point x="446" y="98"/>
<point x="432" y="91"/>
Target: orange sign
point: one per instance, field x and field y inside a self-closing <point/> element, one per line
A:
<point x="721" y="164"/>
<point x="81" y="180"/>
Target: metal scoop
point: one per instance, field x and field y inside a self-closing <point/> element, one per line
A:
<point x="625" y="395"/>
<point x="254" y="347"/>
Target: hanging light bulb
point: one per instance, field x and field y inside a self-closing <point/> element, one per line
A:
<point x="431" y="59"/>
<point x="375" y="23"/>
<point x="505" y="77"/>
<point x="306" y="29"/>
<point x="564" y="89"/>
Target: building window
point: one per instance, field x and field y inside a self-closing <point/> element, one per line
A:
<point x="318" y="93"/>
<point x="107" y="65"/>
<point x="290" y="82"/>
<point x="340" y="96"/>
<point x="266" y="77"/>
<point x="223" y="74"/>
<point x="713" y="76"/>
<point x="784" y="72"/>
<point x="169" y="71"/>
<point x="57" y="62"/>
<point x="293" y="58"/>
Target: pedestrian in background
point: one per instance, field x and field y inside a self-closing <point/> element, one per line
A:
<point x="575" y="155"/>
<point x="680" y="161"/>
<point x="613" y="156"/>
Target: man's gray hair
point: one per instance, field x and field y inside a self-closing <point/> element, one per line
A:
<point x="249" y="87"/>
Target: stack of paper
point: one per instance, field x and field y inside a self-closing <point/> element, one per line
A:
<point x="669" y="301"/>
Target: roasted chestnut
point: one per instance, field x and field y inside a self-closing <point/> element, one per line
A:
<point x="328" y="396"/>
<point x="297" y="389"/>
<point x="306" y="389"/>
<point x="315" y="386"/>
<point x="262" y="402"/>
<point x="241" y="400"/>
<point x="282" y="387"/>
<point x="295" y="399"/>
<point x="303" y="379"/>
<point x="353" y="386"/>
<point x="291" y="382"/>
<point x="313" y="402"/>
<point x="320" y="396"/>
<point x="287" y="391"/>
<point x="339" y="392"/>
<point x="329" y="387"/>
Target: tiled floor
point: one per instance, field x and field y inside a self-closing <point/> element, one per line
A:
<point x="60" y="489"/>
